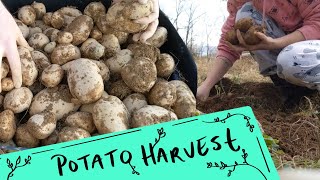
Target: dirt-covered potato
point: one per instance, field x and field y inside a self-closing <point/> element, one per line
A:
<point x="33" y="30"/>
<point x="39" y="8"/>
<point x="51" y="33"/>
<point x="89" y="107"/>
<point x="135" y="102"/>
<point x="185" y="105"/>
<point x="24" y="139"/>
<point x="149" y="115"/>
<point x="111" y="44"/>
<point x="104" y="70"/>
<point x="41" y="125"/>
<point x="41" y="60"/>
<point x="4" y="70"/>
<point x="244" y="24"/>
<point x="92" y="49"/>
<point x="162" y="94"/>
<point x="7" y="125"/>
<point x="18" y="100"/>
<point x="144" y="50"/>
<point x="52" y="75"/>
<point x="64" y="37"/>
<point x="231" y="37"/>
<point x="38" y="40"/>
<point x="52" y="139"/>
<point x="50" y="47"/>
<point x="94" y="10"/>
<point x="165" y="65"/>
<point x="23" y="28"/>
<point x="96" y="33"/>
<point x="121" y="15"/>
<point x="106" y="29"/>
<point x="70" y="11"/>
<point x="40" y="24"/>
<point x="7" y="84"/>
<point x="65" y="53"/>
<point x="72" y="133"/>
<point x="140" y="74"/>
<point x="28" y="67"/>
<point x="118" y="61"/>
<point x="159" y="37"/>
<point x="80" y="29"/>
<point x="110" y="115"/>
<point x="57" y="20"/>
<point x="56" y="100"/>
<point x="84" y="80"/>
<point x="119" y="89"/>
<point x="250" y="38"/>
<point x="46" y="18"/>
<point x="83" y="120"/>
<point x="27" y="15"/>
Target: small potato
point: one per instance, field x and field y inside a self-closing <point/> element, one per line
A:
<point x="94" y="10"/>
<point x="72" y="133"/>
<point x="110" y="115"/>
<point x="7" y="84"/>
<point x="18" y="100"/>
<point x="41" y="60"/>
<point x="96" y="33"/>
<point x="111" y="43"/>
<point x="38" y="40"/>
<point x="64" y="37"/>
<point x="52" y="75"/>
<point x="52" y="139"/>
<point x="28" y="67"/>
<point x="145" y="50"/>
<point x="50" y="47"/>
<point x="163" y="94"/>
<point x="165" y="65"/>
<point x="41" y="24"/>
<point x="119" y="89"/>
<point x="70" y="11"/>
<point x="118" y="61"/>
<point x="23" y="28"/>
<point x="80" y="29"/>
<point x="4" y="70"/>
<point x="150" y="114"/>
<point x="27" y="15"/>
<point x="47" y="18"/>
<point x="34" y="30"/>
<point x="52" y="33"/>
<point x="40" y="9"/>
<point x="139" y="74"/>
<point x="159" y="37"/>
<point x="65" y="53"/>
<point x="24" y="139"/>
<point x="41" y="125"/>
<point x="7" y="125"/>
<point x="83" y="120"/>
<point x="57" y="20"/>
<point x="135" y="102"/>
<point x="92" y="49"/>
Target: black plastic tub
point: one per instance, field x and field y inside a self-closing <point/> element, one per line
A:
<point x="186" y="67"/>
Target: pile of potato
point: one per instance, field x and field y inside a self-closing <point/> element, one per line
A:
<point x="86" y="76"/>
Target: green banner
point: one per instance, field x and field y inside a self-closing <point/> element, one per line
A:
<point x="223" y="145"/>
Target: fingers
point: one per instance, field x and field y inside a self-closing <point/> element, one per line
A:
<point x="261" y="36"/>
<point x="12" y="55"/>
<point x="148" y="33"/>
<point x="147" y="20"/>
<point x="240" y="38"/>
<point x="22" y="42"/>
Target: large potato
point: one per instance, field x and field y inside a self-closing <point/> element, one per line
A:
<point x="18" y="100"/>
<point x="28" y="67"/>
<point x="57" y="20"/>
<point x="92" y="49"/>
<point x="7" y="125"/>
<point x="52" y="75"/>
<point x="65" y="53"/>
<point x="163" y="94"/>
<point x="83" y="120"/>
<point x="135" y="102"/>
<point x="27" y="15"/>
<point x="41" y="125"/>
<point x="84" y="80"/>
<point x="150" y="114"/>
<point x="56" y="100"/>
<point x="24" y="139"/>
<point x="159" y="37"/>
<point x="165" y="65"/>
<point x="39" y="8"/>
<point x="72" y="133"/>
<point x="38" y="40"/>
<point x="110" y="115"/>
<point x="145" y="50"/>
<point x="118" y="61"/>
<point x="139" y="74"/>
<point x="80" y="29"/>
<point x="111" y="44"/>
<point x="94" y="10"/>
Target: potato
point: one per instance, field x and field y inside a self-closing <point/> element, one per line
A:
<point x="28" y="67"/>
<point x="185" y="105"/>
<point x="149" y="115"/>
<point x="163" y="94"/>
<point x="92" y="49"/>
<point x="72" y="133"/>
<point x="41" y="125"/>
<point x="39" y="8"/>
<point x="56" y="100"/>
<point x="110" y="115"/>
<point x="96" y="33"/>
<point x="23" y="28"/>
<point x="80" y="29"/>
<point x="134" y="102"/>
<point x="7" y="125"/>
<point x="52" y="139"/>
<point x="70" y="11"/>
<point x="52" y="33"/>
<point x="7" y="84"/>
<point x="40" y="24"/>
<point x="24" y="139"/>
<point x="4" y="70"/>
<point x="231" y="37"/>
<point x="33" y="30"/>
<point x="27" y="15"/>
<point x="250" y="38"/>
<point x="50" y="47"/>
<point x="244" y="24"/>
<point x="65" y="53"/>
<point x="94" y="10"/>
<point x="159" y="37"/>
<point x="57" y="20"/>
<point x="89" y="107"/>
<point x="120" y="59"/>
<point x="106" y="29"/>
<point x="47" y="18"/>
<point x="18" y="100"/>
<point x="52" y="75"/>
<point x="64" y="37"/>
<point x="165" y="65"/>
<point x="83" y="120"/>
<point x="119" y="89"/>
<point x="104" y="70"/>
<point x="111" y="43"/>
<point x="144" y="50"/>
<point x="84" y="80"/>
<point x="41" y="60"/>
<point x="38" y="41"/>
<point x="36" y="87"/>
<point x="139" y="74"/>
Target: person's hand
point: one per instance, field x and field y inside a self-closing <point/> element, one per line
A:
<point x="152" y="21"/>
<point x="10" y="36"/>
<point x="203" y="92"/>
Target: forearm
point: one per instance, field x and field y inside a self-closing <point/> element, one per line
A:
<point x="291" y="38"/>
